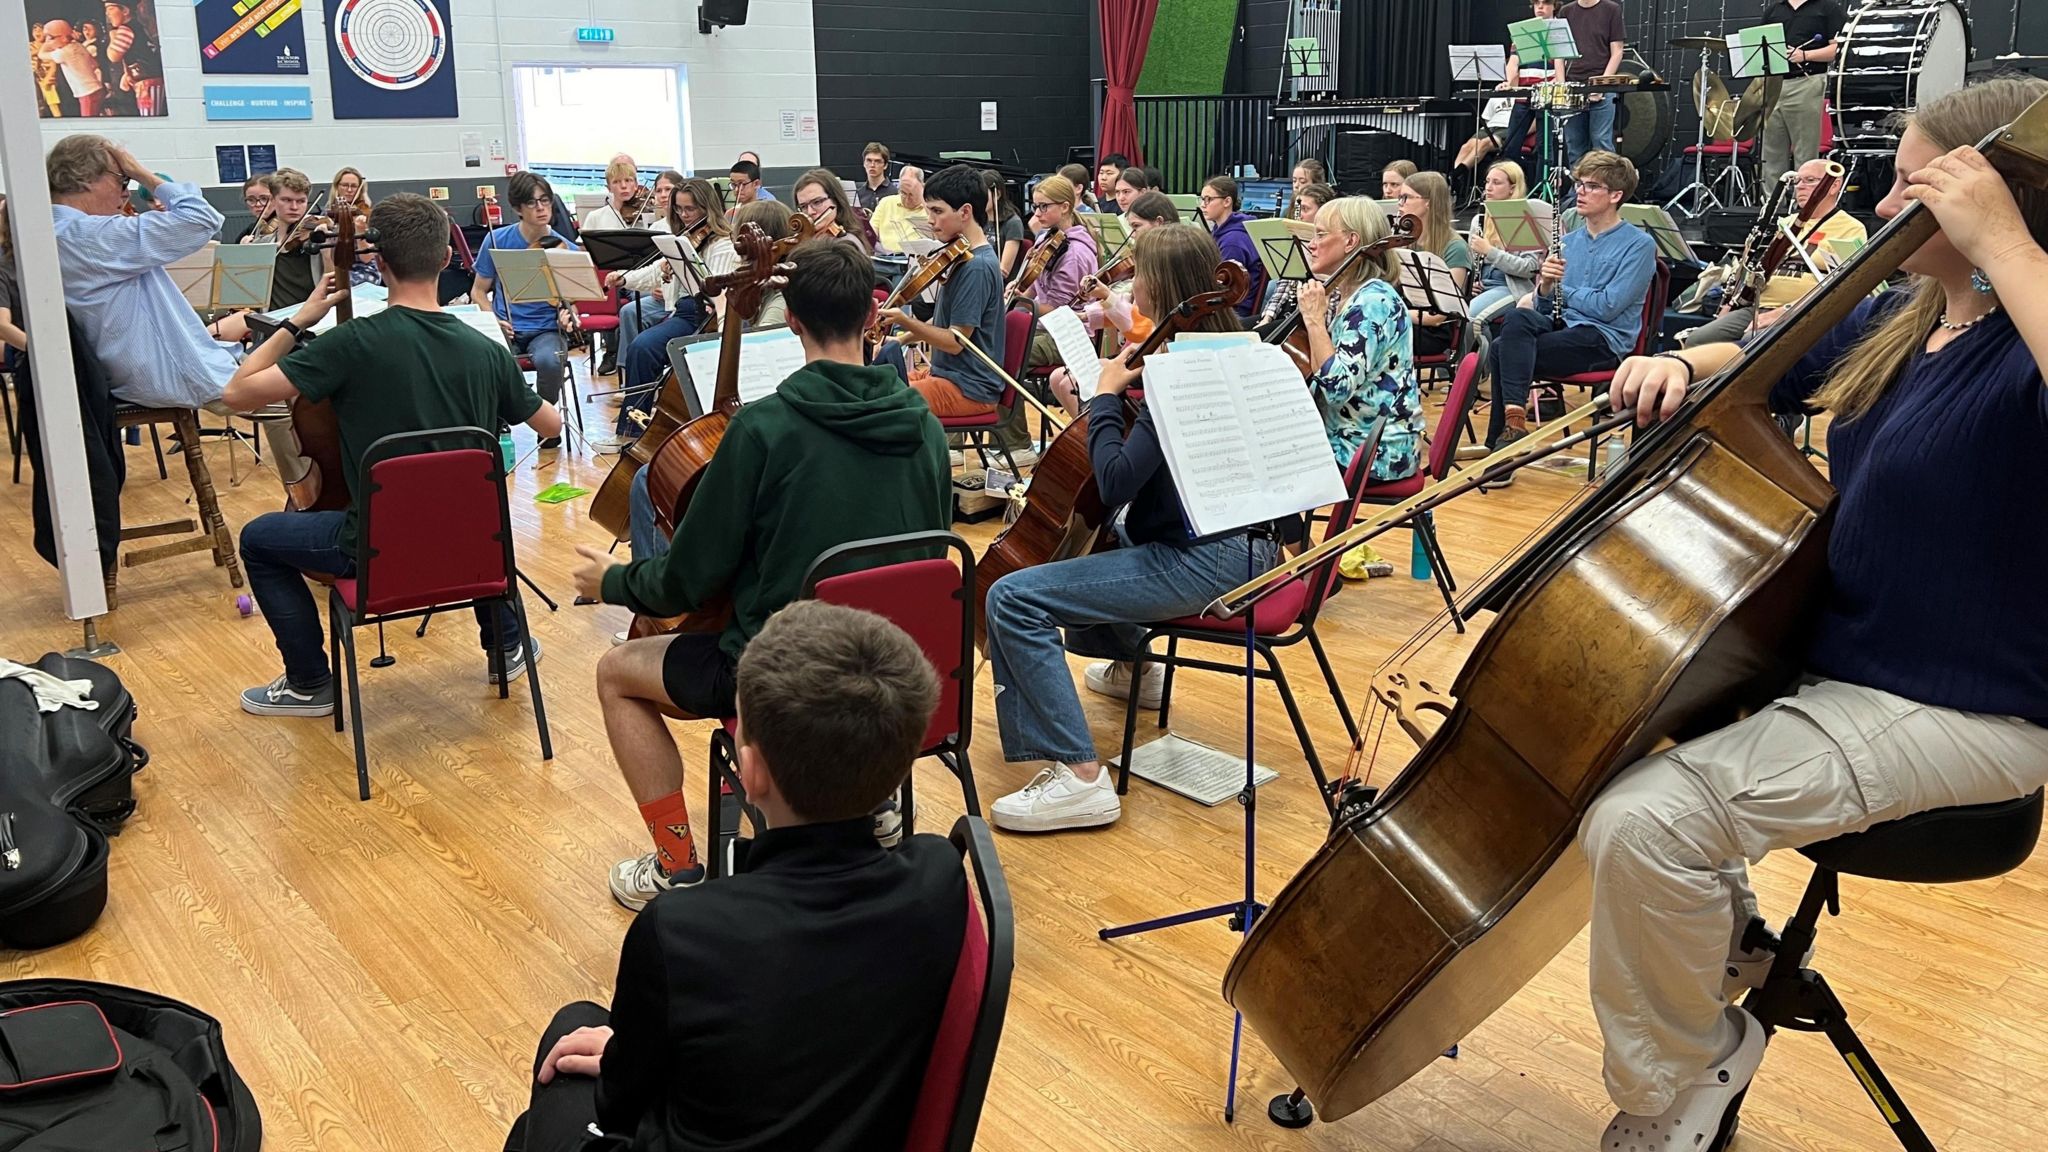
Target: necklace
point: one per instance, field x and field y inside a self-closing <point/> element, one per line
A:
<point x="1947" y="326"/>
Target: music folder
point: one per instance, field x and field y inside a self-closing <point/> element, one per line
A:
<point x="1759" y="51"/>
<point x="620" y="249"/>
<point x="223" y="276"/>
<point x="1540" y="41"/>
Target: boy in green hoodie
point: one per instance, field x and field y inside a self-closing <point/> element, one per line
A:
<point x="841" y="452"/>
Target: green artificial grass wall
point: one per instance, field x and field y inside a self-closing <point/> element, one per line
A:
<point x="1190" y="48"/>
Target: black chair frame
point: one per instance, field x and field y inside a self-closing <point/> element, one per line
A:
<point x="971" y="836"/>
<point x="343" y="622"/>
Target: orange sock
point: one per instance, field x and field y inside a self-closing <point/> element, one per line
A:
<point x="668" y="821"/>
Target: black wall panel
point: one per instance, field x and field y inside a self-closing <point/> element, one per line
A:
<point x="914" y="76"/>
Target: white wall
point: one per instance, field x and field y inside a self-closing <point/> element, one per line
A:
<point x="740" y="80"/>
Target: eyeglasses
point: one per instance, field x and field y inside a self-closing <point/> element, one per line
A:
<point x="1207" y="199"/>
<point x="1404" y="197"/>
<point x="1808" y="179"/>
<point x="743" y="182"/>
<point x="1042" y="206"/>
<point x="815" y="204"/>
<point x="1593" y="186"/>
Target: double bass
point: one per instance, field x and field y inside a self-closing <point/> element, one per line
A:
<point x="674" y="468"/>
<point x="1674" y="599"/>
<point x="1063" y="514"/>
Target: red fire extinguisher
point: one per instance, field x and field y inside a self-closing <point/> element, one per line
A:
<point x="493" y="217"/>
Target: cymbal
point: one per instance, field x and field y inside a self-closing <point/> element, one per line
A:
<point x="1709" y="43"/>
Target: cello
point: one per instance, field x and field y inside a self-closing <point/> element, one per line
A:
<point x="1063" y="513"/>
<point x="1671" y="601"/>
<point x="674" y="468"/>
<point x="325" y="486"/>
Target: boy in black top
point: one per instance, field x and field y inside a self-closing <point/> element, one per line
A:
<point x="792" y="1006"/>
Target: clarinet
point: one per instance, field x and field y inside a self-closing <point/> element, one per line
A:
<point x="1557" y="253"/>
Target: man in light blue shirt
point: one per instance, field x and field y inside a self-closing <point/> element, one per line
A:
<point x="155" y="349"/>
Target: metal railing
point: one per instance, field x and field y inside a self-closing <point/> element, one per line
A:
<point x="1191" y="138"/>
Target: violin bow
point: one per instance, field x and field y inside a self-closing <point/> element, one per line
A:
<point x="1057" y="417"/>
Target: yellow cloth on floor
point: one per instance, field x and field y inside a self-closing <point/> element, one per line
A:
<point x="1353" y="565"/>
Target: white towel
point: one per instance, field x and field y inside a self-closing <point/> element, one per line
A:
<point x="51" y="693"/>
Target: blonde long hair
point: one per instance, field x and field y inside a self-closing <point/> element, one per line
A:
<point x="1437" y="229"/>
<point x="1519" y="180"/>
<point x="1364" y="219"/>
<point x="1960" y="118"/>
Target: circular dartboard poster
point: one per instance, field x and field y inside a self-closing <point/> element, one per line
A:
<point x="393" y="44"/>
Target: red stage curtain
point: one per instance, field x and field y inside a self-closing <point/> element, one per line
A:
<point x="1126" y="30"/>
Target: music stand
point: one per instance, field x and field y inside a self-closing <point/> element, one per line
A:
<point x="1523" y="225"/>
<point x="620" y="249"/>
<point x="557" y="277"/>
<point x="1477" y="64"/>
<point x="1701" y="192"/>
<point x="1671" y="243"/>
<point x="1546" y="42"/>
<point x="226" y="277"/>
<point x="1282" y="246"/>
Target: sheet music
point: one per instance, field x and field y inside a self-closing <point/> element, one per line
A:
<point x="193" y="274"/>
<point x="1241" y="435"/>
<point x="482" y="321"/>
<point x="1522" y="225"/>
<point x="1427" y="284"/>
<point x="576" y="278"/>
<point x="684" y="260"/>
<point x="364" y="300"/>
<point x="767" y="358"/>
<point x="1077" y="351"/>
<point x="242" y="275"/>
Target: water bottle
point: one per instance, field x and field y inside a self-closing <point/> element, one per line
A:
<point x="1418" y="553"/>
<point x="506" y="450"/>
<point x="1617" y="454"/>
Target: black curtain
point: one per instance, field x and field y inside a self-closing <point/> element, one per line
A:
<point x="1396" y="47"/>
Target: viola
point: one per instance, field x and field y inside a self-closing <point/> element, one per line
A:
<point x="1693" y="571"/>
<point x="674" y="468"/>
<point x="1063" y="514"/>
<point x="1291" y="334"/>
<point x="933" y="269"/>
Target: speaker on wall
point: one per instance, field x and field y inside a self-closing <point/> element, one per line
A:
<point x="719" y="13"/>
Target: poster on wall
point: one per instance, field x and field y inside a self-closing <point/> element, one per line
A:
<point x="390" y="59"/>
<point x="251" y="37"/>
<point x="95" y="58"/>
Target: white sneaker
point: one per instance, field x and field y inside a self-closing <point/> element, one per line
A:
<point x="639" y="880"/>
<point x="957" y="459"/>
<point x="1056" y="800"/>
<point x="1702" y="1118"/>
<point x="1113" y="678"/>
<point x="1024" y="457"/>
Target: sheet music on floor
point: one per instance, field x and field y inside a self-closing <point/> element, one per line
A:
<point x="1077" y="352"/>
<point x="767" y="358"/>
<point x="1241" y="436"/>
<point x="1196" y="771"/>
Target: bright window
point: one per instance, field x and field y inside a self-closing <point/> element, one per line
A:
<point x="582" y="116"/>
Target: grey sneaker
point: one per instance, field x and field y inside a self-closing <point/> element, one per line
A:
<point x="279" y="698"/>
<point x="636" y="881"/>
<point x="515" y="660"/>
<point x="889" y="821"/>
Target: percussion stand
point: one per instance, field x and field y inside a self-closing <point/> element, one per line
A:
<point x="1703" y="195"/>
<point x="1242" y="912"/>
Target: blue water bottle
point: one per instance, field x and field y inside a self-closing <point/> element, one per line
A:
<point x="506" y="450"/>
<point x="1418" y="555"/>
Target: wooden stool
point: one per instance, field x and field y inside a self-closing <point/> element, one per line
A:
<point x="214" y="536"/>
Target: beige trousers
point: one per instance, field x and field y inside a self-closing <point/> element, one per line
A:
<point x="1669" y="838"/>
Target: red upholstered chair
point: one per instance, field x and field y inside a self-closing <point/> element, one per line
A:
<point x="964" y="1052"/>
<point x="436" y="533"/>
<point x="1646" y="338"/>
<point x="599" y="315"/>
<point x="923" y="582"/>
<point x="1018" y="327"/>
<point x="1282" y="619"/>
<point x="1442" y="454"/>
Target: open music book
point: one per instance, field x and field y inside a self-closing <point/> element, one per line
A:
<point x="1077" y="351"/>
<point x="1241" y="435"/>
<point x="477" y="318"/>
<point x="767" y="358"/>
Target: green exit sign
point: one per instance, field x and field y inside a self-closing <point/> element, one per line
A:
<point x="594" y="35"/>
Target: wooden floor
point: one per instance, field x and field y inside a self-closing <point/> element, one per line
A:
<point x="384" y="969"/>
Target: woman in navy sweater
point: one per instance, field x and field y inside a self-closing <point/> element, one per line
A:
<point x="1102" y="601"/>
<point x="1927" y="686"/>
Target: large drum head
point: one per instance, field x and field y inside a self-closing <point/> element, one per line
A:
<point x="1947" y="59"/>
<point x="1894" y="58"/>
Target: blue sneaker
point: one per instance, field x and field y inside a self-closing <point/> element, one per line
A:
<point x="279" y="698"/>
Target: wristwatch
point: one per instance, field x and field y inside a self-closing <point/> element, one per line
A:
<point x="298" y="333"/>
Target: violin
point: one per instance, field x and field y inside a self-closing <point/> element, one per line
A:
<point x="679" y="462"/>
<point x="1674" y="598"/>
<point x="325" y="485"/>
<point x="1039" y="261"/>
<point x="1116" y="271"/>
<point x="1291" y="334"/>
<point x="315" y="217"/>
<point x="1063" y="514"/>
<point x="933" y="269"/>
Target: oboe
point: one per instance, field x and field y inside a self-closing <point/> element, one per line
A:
<point x="1557" y="291"/>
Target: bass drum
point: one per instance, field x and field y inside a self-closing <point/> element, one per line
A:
<point x="1894" y="57"/>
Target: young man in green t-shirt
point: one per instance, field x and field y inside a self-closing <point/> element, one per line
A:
<point x="409" y="368"/>
<point x="873" y="463"/>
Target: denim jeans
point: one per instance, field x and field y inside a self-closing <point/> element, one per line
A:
<point x="550" y="358"/>
<point x="1527" y="348"/>
<point x="644" y="358"/>
<point x="1103" y="601"/>
<point x="637" y="313"/>
<point x="891" y="354"/>
<point x="645" y="535"/>
<point x="1590" y="129"/>
<point x="278" y="549"/>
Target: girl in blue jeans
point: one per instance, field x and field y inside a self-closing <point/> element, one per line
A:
<point x="1098" y="605"/>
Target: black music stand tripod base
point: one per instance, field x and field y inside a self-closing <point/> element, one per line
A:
<point x="1243" y="912"/>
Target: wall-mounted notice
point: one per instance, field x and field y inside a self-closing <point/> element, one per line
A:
<point x="251" y="37"/>
<point x="262" y="159"/>
<point x="232" y="160"/>
<point x="988" y="115"/>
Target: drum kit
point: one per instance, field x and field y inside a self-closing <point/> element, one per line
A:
<point x="1892" y="57"/>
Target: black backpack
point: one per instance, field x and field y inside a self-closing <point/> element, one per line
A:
<point x="66" y="783"/>
<point x="88" y="1067"/>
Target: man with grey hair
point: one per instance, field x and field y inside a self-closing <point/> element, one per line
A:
<point x="901" y="218"/>
<point x="1792" y="279"/>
